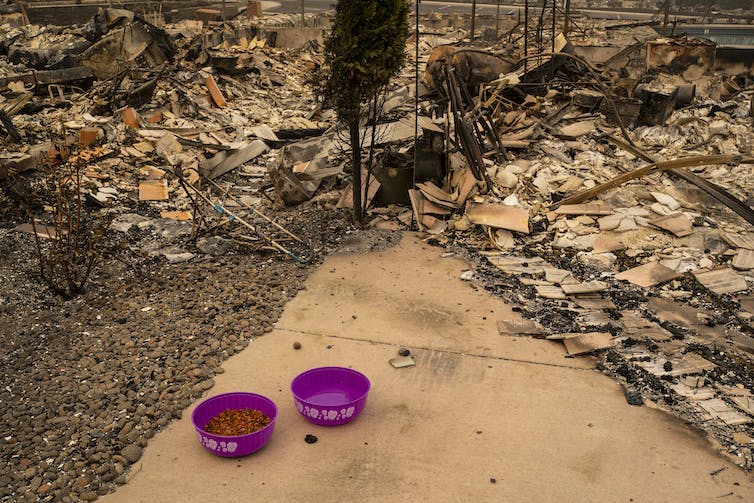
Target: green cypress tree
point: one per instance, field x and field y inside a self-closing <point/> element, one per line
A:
<point x="365" y="49"/>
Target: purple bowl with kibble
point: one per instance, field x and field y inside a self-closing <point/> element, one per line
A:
<point x="233" y="446"/>
<point x="330" y="396"/>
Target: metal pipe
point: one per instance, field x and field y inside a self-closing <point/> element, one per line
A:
<point x="416" y="92"/>
<point x="554" y="10"/>
<point x="473" y="18"/>
<point x="526" y="35"/>
<point x="497" y="20"/>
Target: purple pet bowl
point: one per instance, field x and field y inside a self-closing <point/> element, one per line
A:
<point x="330" y="396"/>
<point x="233" y="447"/>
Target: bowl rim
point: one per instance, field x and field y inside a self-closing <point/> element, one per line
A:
<point x="221" y="395"/>
<point x="320" y="369"/>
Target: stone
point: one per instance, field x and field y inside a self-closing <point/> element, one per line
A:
<point x="132" y="453"/>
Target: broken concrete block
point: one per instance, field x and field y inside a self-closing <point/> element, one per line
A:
<point x="604" y="244"/>
<point x="584" y="343"/>
<point x="744" y="260"/>
<point x="518" y="265"/>
<point x="168" y="146"/>
<point x="611" y="222"/>
<point x="88" y="136"/>
<point x="573" y="131"/>
<point x="176" y="215"/>
<point x="593" y="302"/>
<point x="214" y="91"/>
<point x="499" y="216"/>
<point x="43" y="231"/>
<point x="206" y="15"/>
<point x="718" y="409"/>
<point x="584" y="209"/>
<point x="721" y="281"/>
<point x="521" y="326"/>
<point x="581" y="288"/>
<point x="677" y="223"/>
<point x="129" y="117"/>
<point x="666" y="200"/>
<point x="649" y="274"/>
<point x="689" y="363"/>
<point x="739" y="240"/>
<point x="229" y="160"/>
<point x="550" y="292"/>
<point x="153" y="190"/>
<point x="693" y="393"/>
<point x="154" y="117"/>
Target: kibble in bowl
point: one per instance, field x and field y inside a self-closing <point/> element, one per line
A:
<point x="230" y="415"/>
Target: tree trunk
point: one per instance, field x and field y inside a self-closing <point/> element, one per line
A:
<point x="353" y="127"/>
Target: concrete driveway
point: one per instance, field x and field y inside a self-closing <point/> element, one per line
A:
<point x="481" y="417"/>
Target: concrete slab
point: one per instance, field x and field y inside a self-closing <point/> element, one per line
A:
<point x="440" y="430"/>
<point x="411" y="295"/>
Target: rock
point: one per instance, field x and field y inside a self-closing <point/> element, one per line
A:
<point x="89" y="496"/>
<point x="215" y="245"/>
<point x="601" y="261"/>
<point x="132" y="453"/>
<point x="506" y="179"/>
<point x="119" y="459"/>
<point x="124" y="222"/>
<point x="633" y="397"/>
<point x="176" y="255"/>
<point x="35" y="483"/>
<point x="666" y="200"/>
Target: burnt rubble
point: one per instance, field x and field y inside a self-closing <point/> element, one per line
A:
<point x="598" y="180"/>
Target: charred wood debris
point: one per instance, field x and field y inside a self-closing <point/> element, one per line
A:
<point x="598" y="180"/>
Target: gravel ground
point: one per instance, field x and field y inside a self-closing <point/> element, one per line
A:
<point x="85" y="383"/>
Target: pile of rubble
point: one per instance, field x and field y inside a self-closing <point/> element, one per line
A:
<point x="610" y="201"/>
<point x="158" y="108"/>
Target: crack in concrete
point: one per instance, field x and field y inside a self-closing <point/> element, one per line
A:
<point x="449" y="351"/>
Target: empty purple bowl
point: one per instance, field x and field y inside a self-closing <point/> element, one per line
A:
<point x="233" y="447"/>
<point x="330" y="396"/>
